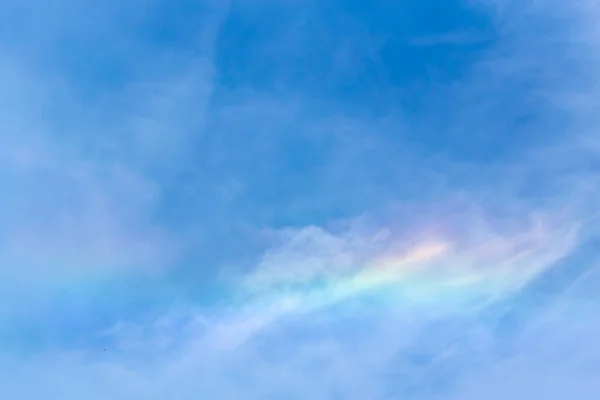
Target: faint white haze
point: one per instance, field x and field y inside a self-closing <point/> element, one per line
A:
<point x="299" y="200"/>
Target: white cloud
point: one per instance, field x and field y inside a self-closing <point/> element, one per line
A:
<point x="79" y="175"/>
<point x="68" y="210"/>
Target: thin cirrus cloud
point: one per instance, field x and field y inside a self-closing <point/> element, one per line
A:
<point x="285" y="200"/>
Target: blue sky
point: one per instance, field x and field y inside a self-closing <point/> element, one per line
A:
<point x="299" y="200"/>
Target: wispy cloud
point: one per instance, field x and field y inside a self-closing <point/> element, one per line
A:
<point x="371" y="252"/>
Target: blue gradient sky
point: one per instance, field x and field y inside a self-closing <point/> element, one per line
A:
<point x="299" y="200"/>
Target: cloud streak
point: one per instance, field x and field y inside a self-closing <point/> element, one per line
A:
<point x="180" y="225"/>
